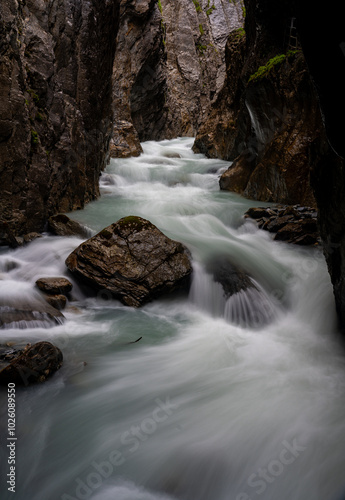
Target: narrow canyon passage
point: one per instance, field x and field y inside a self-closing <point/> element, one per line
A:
<point x="201" y="408"/>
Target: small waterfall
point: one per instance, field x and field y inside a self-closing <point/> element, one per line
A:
<point x="249" y="308"/>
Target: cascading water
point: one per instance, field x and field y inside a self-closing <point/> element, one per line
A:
<point x="203" y="407"/>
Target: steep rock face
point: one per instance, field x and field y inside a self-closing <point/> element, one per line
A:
<point x="169" y="67"/>
<point x="55" y="115"/>
<point x="265" y="120"/>
<point x="323" y="42"/>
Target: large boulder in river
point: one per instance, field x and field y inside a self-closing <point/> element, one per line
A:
<point x="133" y="260"/>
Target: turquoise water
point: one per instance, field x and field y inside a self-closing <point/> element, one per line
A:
<point x="199" y="408"/>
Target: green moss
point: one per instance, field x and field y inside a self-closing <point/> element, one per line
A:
<point x="263" y="71"/>
<point x="239" y="32"/>
<point x="105" y="233"/>
<point x="201" y="48"/>
<point x="210" y="9"/>
<point x="133" y="222"/>
<point x="291" y="53"/>
<point x="201" y="29"/>
<point x="160" y="6"/>
<point x="34" y="138"/>
<point x="197" y="6"/>
<point x="39" y="117"/>
<point x="34" y="96"/>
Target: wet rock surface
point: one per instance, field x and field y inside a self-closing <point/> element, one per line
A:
<point x="292" y="224"/>
<point x="232" y="278"/>
<point x="133" y="260"/>
<point x="169" y="66"/>
<point x="55" y="291"/>
<point x="55" y="112"/>
<point x="266" y="119"/>
<point x="62" y="225"/>
<point x="31" y="365"/>
<point x="54" y="286"/>
<point x="23" y="312"/>
<point x="247" y="304"/>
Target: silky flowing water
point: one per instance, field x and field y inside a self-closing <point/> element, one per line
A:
<point x="201" y="408"/>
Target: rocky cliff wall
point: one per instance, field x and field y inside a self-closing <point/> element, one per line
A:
<point x="169" y="67"/>
<point x="266" y="118"/>
<point x="323" y="41"/>
<point x="56" y="60"/>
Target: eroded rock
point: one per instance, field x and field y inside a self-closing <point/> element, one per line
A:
<point x="55" y="108"/>
<point x="292" y="224"/>
<point x="54" y="286"/>
<point x="32" y="365"/>
<point x="133" y="260"/>
<point x="24" y="312"/>
<point x="247" y="304"/>
<point x="62" y="225"/>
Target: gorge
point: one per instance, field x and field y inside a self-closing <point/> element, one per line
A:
<point x="132" y="127"/>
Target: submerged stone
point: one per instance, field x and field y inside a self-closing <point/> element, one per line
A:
<point x="23" y="312"/>
<point x="247" y="304"/>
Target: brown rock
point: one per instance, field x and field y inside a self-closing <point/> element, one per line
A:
<point x="35" y="364"/>
<point x="55" y="107"/>
<point x="54" y="286"/>
<point x="62" y="225"/>
<point x="57" y="301"/>
<point x="296" y="233"/>
<point x="22" y="312"/>
<point x="133" y="260"/>
<point x="276" y="223"/>
<point x="169" y="66"/>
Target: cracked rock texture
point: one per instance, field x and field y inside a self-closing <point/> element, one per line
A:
<point x="169" y="67"/>
<point x="56" y="60"/>
<point x="133" y="260"/>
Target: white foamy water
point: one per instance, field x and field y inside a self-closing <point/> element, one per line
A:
<point x="202" y="407"/>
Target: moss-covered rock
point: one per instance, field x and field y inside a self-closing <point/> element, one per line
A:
<point x="133" y="260"/>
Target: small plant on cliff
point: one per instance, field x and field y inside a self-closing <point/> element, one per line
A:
<point x="201" y="48"/>
<point x="197" y="6"/>
<point x="34" y="96"/>
<point x="160" y="6"/>
<point x="239" y="32"/>
<point x="210" y="9"/>
<point x="263" y="71"/>
<point x="201" y="29"/>
<point x="34" y="138"/>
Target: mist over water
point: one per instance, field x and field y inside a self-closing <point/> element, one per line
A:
<point x="203" y="407"/>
